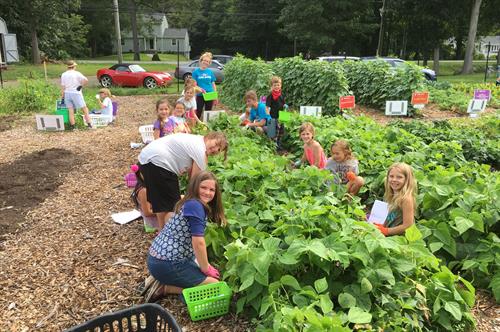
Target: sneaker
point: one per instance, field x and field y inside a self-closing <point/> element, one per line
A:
<point x="71" y="127"/>
<point x="89" y="125"/>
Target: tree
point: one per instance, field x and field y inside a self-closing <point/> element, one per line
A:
<point x="331" y="26"/>
<point x="43" y="23"/>
<point x="101" y="32"/>
<point x="471" y="39"/>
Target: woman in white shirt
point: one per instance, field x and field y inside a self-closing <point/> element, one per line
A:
<point x="165" y="159"/>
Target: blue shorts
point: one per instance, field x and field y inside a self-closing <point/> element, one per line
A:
<point x="182" y="274"/>
<point x="74" y="100"/>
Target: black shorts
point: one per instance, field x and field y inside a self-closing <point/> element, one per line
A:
<point x="162" y="187"/>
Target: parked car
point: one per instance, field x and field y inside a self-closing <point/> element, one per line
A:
<point x="185" y="71"/>
<point x="395" y="62"/>
<point x="224" y="59"/>
<point x="126" y="74"/>
<point x="338" y="58"/>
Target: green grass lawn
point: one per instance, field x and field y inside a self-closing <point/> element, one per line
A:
<point x="143" y="56"/>
<point x="14" y="72"/>
<point x="472" y="78"/>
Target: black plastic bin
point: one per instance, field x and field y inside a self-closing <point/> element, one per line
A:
<point x="149" y="317"/>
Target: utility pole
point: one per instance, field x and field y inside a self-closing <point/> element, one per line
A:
<point x="118" y="33"/>
<point x="381" y="30"/>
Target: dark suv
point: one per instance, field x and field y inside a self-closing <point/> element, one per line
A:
<point x="395" y="62"/>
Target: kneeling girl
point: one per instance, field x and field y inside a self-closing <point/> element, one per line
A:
<point x="172" y="254"/>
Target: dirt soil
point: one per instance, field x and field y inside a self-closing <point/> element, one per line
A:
<point x="30" y="180"/>
<point x="63" y="261"/>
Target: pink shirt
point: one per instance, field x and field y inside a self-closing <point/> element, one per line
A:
<point x="310" y="157"/>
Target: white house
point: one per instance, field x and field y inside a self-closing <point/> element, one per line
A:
<point x="482" y="45"/>
<point x="158" y="37"/>
<point x="8" y="45"/>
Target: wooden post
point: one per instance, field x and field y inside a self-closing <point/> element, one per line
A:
<point x="487" y="61"/>
<point x="45" y="69"/>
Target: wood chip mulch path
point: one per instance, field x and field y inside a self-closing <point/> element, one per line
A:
<point x="68" y="262"/>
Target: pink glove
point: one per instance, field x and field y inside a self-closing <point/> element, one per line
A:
<point x="212" y="272"/>
<point x="216" y="101"/>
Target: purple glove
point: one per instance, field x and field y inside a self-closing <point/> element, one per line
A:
<point x="212" y="272"/>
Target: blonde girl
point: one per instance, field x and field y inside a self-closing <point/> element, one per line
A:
<point x="177" y="122"/>
<point x="205" y="80"/>
<point x="106" y="105"/>
<point x="189" y="101"/>
<point x="313" y="152"/>
<point x="190" y="83"/>
<point x="344" y="167"/>
<point x="400" y="193"/>
<point x="171" y="258"/>
<point x="163" y="112"/>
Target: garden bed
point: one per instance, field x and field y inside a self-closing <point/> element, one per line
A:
<point x="67" y="261"/>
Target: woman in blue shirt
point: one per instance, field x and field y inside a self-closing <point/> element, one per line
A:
<point x="171" y="258"/>
<point x="205" y="79"/>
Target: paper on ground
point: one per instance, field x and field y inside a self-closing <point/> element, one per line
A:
<point x="125" y="217"/>
<point x="379" y="212"/>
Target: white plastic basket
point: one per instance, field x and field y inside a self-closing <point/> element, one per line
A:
<point x="98" y="120"/>
<point x="146" y="133"/>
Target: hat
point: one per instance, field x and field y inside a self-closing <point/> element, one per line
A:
<point x="71" y="64"/>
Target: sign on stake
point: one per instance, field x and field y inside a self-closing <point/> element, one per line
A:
<point x="210" y="115"/>
<point x="396" y="107"/>
<point x="347" y="102"/>
<point x="311" y="111"/>
<point x="49" y="122"/>
<point x="476" y="106"/>
<point x="482" y="94"/>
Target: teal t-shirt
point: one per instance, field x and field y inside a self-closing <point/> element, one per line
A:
<point x="204" y="79"/>
<point x="259" y="113"/>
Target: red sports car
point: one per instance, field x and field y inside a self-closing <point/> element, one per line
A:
<point x="126" y="74"/>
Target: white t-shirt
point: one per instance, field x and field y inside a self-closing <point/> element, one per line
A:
<point x="176" y="152"/>
<point x="107" y="107"/>
<point x="72" y="79"/>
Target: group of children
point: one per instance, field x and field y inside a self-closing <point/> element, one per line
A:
<point x="400" y="184"/>
<point x="178" y="258"/>
<point x="181" y="119"/>
<point x="263" y="118"/>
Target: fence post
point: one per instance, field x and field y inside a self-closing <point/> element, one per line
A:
<point x="487" y="60"/>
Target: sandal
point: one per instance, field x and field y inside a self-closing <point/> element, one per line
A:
<point x="154" y="293"/>
<point x="145" y="285"/>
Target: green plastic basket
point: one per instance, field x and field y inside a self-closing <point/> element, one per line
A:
<point x="208" y="96"/>
<point x="285" y="116"/>
<point x="64" y="112"/>
<point x="208" y="301"/>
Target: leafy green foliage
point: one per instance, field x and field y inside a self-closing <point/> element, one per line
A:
<point x="301" y="257"/>
<point x="375" y="82"/>
<point x="32" y="95"/>
<point x="456" y="97"/>
<point x="241" y="75"/>
<point x="479" y="140"/>
<point x="321" y="83"/>
<point x="312" y="83"/>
